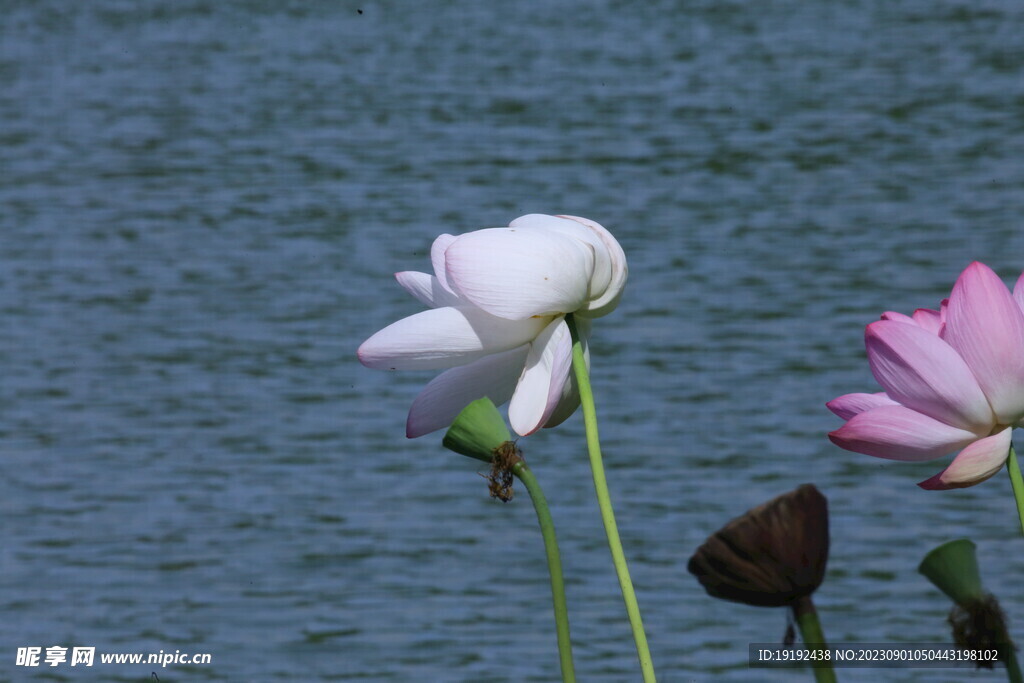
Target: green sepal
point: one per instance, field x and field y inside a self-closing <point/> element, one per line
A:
<point x="953" y="568"/>
<point x="477" y="431"/>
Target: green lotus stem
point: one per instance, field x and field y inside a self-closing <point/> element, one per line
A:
<point x="812" y="635"/>
<point x="479" y="432"/>
<point x="547" y="530"/>
<point x="604" y="502"/>
<point x="1012" y="666"/>
<point x="1013" y="467"/>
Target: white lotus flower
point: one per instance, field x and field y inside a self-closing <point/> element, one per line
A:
<point x="498" y="300"/>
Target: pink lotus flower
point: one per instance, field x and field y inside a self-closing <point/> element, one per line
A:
<point x="498" y="299"/>
<point x="953" y="380"/>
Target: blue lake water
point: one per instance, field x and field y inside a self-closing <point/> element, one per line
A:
<point x="202" y="205"/>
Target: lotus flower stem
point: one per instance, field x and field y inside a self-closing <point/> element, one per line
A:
<point x="547" y="530"/>
<point x="1012" y="666"/>
<point x="812" y="635"/>
<point x="1013" y="467"/>
<point x="604" y="502"/>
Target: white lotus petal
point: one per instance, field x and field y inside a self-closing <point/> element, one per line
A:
<point x="444" y="338"/>
<point x="604" y="304"/>
<point x="437" y="250"/>
<point x="570" y="398"/>
<point x="445" y="396"/>
<point x="541" y="384"/>
<point x="518" y="273"/>
<point x="573" y="228"/>
<point x="427" y="289"/>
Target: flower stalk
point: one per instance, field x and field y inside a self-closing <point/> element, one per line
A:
<point x="479" y="432"/>
<point x="1012" y="665"/>
<point x="547" y="531"/>
<point x="1017" y="482"/>
<point x="811" y="633"/>
<point x="605" y="504"/>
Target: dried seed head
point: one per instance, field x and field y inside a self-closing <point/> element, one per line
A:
<point x="772" y="555"/>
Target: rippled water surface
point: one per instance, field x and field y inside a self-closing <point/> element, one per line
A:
<point x="202" y="204"/>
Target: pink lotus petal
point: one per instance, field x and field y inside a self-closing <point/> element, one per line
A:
<point x="518" y="273"/>
<point x="848" y="405"/>
<point x="540" y="386"/>
<point x="943" y="308"/>
<point x="444" y="338"/>
<point x="898" y="433"/>
<point x="427" y="289"/>
<point x="924" y="373"/>
<point x="986" y="326"/>
<point x="1018" y="291"/>
<point x="897" y="317"/>
<point x="928" y="319"/>
<point x="446" y="395"/>
<point x="974" y="464"/>
<point x="437" y="250"/>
